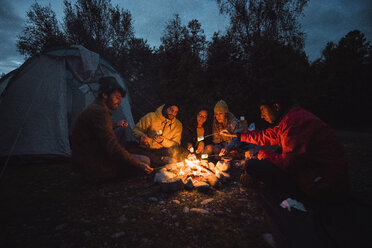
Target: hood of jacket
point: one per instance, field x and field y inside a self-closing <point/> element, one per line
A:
<point x="153" y="123"/>
<point x="164" y="120"/>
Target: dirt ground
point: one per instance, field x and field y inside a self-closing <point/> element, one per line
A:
<point x="49" y="206"/>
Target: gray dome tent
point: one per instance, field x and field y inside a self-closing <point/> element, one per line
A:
<point x="41" y="100"/>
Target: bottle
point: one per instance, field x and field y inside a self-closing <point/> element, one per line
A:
<point x="244" y="123"/>
<point x="251" y="127"/>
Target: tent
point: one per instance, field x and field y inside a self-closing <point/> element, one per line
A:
<point x="41" y="100"/>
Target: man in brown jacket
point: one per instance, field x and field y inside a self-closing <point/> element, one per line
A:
<point x="96" y="152"/>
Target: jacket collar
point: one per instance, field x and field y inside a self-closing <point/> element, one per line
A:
<point x="101" y="102"/>
<point x="285" y="113"/>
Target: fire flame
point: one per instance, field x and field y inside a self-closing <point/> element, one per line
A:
<point x="192" y="167"/>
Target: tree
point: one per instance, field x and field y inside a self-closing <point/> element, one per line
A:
<point x="226" y="69"/>
<point x="180" y="71"/>
<point x="265" y="31"/>
<point x="197" y="39"/>
<point x="142" y="64"/>
<point x="262" y="49"/>
<point x="95" y="24"/>
<point x="240" y="81"/>
<point x="254" y="20"/>
<point x="98" y="26"/>
<point x="343" y="80"/>
<point x="175" y="36"/>
<point x="268" y="34"/>
<point x="41" y="31"/>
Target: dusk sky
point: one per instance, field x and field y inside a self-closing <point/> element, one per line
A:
<point x="323" y="21"/>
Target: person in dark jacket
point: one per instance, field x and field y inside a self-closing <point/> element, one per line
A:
<point x="96" y="151"/>
<point x="311" y="161"/>
<point x="199" y="126"/>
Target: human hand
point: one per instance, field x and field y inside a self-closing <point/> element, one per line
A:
<point x="223" y="152"/>
<point x="145" y="139"/>
<point x="189" y="146"/>
<point x="146" y="168"/>
<point x="200" y="148"/>
<point x="122" y="123"/>
<point x="191" y="157"/>
<point x="159" y="138"/>
<point x="225" y="132"/>
<point x="252" y="153"/>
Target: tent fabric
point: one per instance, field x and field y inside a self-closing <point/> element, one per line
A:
<point x="5" y="81"/>
<point x="89" y="59"/>
<point x="41" y="101"/>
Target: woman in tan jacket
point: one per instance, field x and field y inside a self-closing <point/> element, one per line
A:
<point x="223" y="120"/>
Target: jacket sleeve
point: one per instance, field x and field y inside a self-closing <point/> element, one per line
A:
<point x="266" y="137"/>
<point x="207" y="131"/>
<point x="187" y="136"/>
<point x="141" y="127"/>
<point x="102" y="129"/>
<point x="175" y="140"/>
<point x="294" y="139"/>
<point x="217" y="138"/>
<point x="235" y="126"/>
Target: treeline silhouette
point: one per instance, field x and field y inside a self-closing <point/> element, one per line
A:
<point x="261" y="49"/>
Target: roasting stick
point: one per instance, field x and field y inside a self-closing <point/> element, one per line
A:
<point x="200" y="138"/>
<point x="207" y="156"/>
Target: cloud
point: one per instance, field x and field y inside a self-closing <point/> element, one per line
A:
<point x="323" y="21"/>
<point x="10" y="26"/>
<point x="149" y="20"/>
<point x="151" y="17"/>
<point x="331" y="20"/>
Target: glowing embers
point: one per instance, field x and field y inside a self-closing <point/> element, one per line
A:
<point x="192" y="173"/>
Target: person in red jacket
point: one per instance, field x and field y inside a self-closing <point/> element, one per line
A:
<point x="311" y="161"/>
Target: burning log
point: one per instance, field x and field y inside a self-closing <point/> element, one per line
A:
<point x="222" y="166"/>
<point x="223" y="176"/>
<point x="192" y="173"/>
<point x="213" y="180"/>
<point x="168" y="181"/>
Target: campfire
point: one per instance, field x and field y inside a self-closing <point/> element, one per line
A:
<point x="192" y="173"/>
